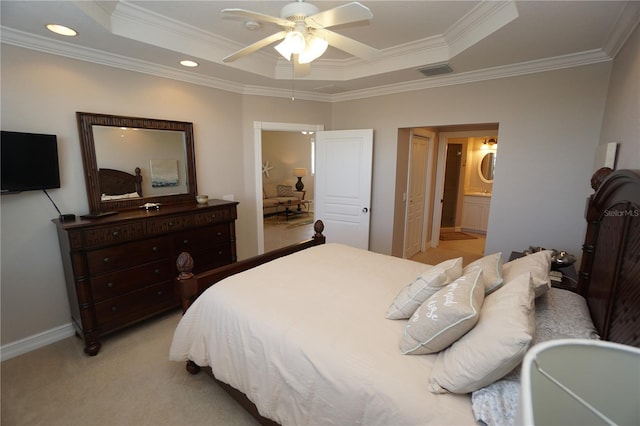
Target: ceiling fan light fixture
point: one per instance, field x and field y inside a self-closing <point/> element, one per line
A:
<point x="296" y="40"/>
<point x="315" y="48"/>
<point x="293" y="44"/>
<point x="284" y="49"/>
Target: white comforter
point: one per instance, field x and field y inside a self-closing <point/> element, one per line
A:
<point x="306" y="339"/>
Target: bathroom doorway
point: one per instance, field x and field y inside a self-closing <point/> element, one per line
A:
<point x="451" y="186"/>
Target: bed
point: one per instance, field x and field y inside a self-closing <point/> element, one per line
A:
<point x="118" y="185"/>
<point x="347" y="336"/>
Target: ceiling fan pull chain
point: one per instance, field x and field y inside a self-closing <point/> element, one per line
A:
<point x="293" y="79"/>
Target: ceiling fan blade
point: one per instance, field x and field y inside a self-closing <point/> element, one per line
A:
<point x="345" y="14"/>
<point x="256" y="16"/>
<point x="255" y="46"/>
<point x="351" y="46"/>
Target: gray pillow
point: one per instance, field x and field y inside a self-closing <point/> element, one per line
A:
<point x="285" y="191"/>
<point x="494" y="347"/>
<point x="491" y="266"/>
<point x="424" y="286"/>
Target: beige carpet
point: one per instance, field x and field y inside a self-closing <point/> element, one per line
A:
<point x="469" y="250"/>
<point x="130" y="382"/>
<point x="450" y="236"/>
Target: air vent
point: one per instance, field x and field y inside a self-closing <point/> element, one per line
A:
<point x="436" y="70"/>
<point x="331" y="89"/>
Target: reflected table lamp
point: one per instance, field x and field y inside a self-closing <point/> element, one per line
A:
<point x="299" y="172"/>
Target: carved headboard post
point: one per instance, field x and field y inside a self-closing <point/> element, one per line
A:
<point x="610" y="270"/>
<point x="590" y="239"/>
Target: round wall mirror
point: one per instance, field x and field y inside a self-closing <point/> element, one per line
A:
<point x="486" y="167"/>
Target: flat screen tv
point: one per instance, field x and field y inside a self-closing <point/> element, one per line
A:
<point x="29" y="162"/>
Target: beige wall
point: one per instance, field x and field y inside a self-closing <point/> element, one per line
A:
<point x="549" y="128"/>
<point x="621" y="122"/>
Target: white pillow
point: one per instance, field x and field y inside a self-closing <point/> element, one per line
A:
<point x="539" y="264"/>
<point x="445" y="317"/>
<point x="425" y="286"/>
<point x="491" y="270"/>
<point x="494" y="346"/>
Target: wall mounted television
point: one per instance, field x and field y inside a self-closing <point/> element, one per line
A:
<point x="29" y="161"/>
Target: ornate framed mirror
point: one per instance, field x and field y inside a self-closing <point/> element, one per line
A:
<point x="486" y="167"/>
<point x="157" y="156"/>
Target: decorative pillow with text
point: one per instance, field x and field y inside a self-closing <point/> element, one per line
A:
<point x="446" y="316"/>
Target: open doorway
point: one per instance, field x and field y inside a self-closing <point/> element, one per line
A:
<point x="288" y="173"/>
<point x="452" y="176"/>
<point x="258" y="128"/>
<point x="457" y="187"/>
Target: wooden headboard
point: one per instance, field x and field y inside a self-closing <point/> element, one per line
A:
<point x="610" y="270"/>
<point x="116" y="182"/>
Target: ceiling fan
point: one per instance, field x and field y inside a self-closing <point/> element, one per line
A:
<point x="304" y="31"/>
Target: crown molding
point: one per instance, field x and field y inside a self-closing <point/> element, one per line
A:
<point x="42" y="44"/>
<point x="482" y="21"/>
<point x="627" y="21"/>
<point x="523" y="68"/>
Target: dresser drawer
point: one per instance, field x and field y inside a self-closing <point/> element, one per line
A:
<point x="128" y="255"/>
<point x="169" y="224"/>
<point x="202" y="238"/>
<point x="117" y="283"/>
<point x="113" y="234"/>
<point x="214" y="216"/>
<point x="117" y="312"/>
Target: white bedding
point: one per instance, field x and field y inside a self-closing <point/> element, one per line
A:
<point x="306" y="339"/>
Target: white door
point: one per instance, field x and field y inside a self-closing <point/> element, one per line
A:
<point x="343" y="185"/>
<point x="419" y="151"/>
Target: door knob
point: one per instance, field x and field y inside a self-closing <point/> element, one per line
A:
<point x="364" y="210"/>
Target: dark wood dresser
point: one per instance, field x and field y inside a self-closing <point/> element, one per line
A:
<point x="120" y="269"/>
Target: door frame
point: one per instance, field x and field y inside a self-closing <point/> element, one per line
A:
<point x="443" y="140"/>
<point x="432" y="139"/>
<point x="258" y="127"/>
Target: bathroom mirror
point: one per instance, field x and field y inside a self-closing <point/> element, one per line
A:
<point x="161" y="150"/>
<point x="486" y="167"/>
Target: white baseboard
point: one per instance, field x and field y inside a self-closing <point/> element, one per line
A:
<point x="28" y="344"/>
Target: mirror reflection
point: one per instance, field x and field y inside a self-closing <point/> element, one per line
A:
<point x="159" y="154"/>
<point x="487" y="167"/>
<point x="130" y="161"/>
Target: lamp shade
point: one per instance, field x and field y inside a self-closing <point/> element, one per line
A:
<point x="315" y="47"/>
<point x="299" y="172"/>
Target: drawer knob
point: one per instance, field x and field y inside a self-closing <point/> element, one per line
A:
<point x="170" y="224"/>
<point x="110" y="285"/>
<point x="185" y="242"/>
<point x="154" y="248"/>
<point x="220" y="253"/>
<point x="115" y="233"/>
<point x="156" y="271"/>
<point x="213" y="216"/>
<point x="159" y="292"/>
<point x="114" y="309"/>
<point x="106" y="260"/>
<point x="219" y="234"/>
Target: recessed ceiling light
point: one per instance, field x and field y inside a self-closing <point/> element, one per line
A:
<point x="188" y="63"/>
<point x="62" y="30"/>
